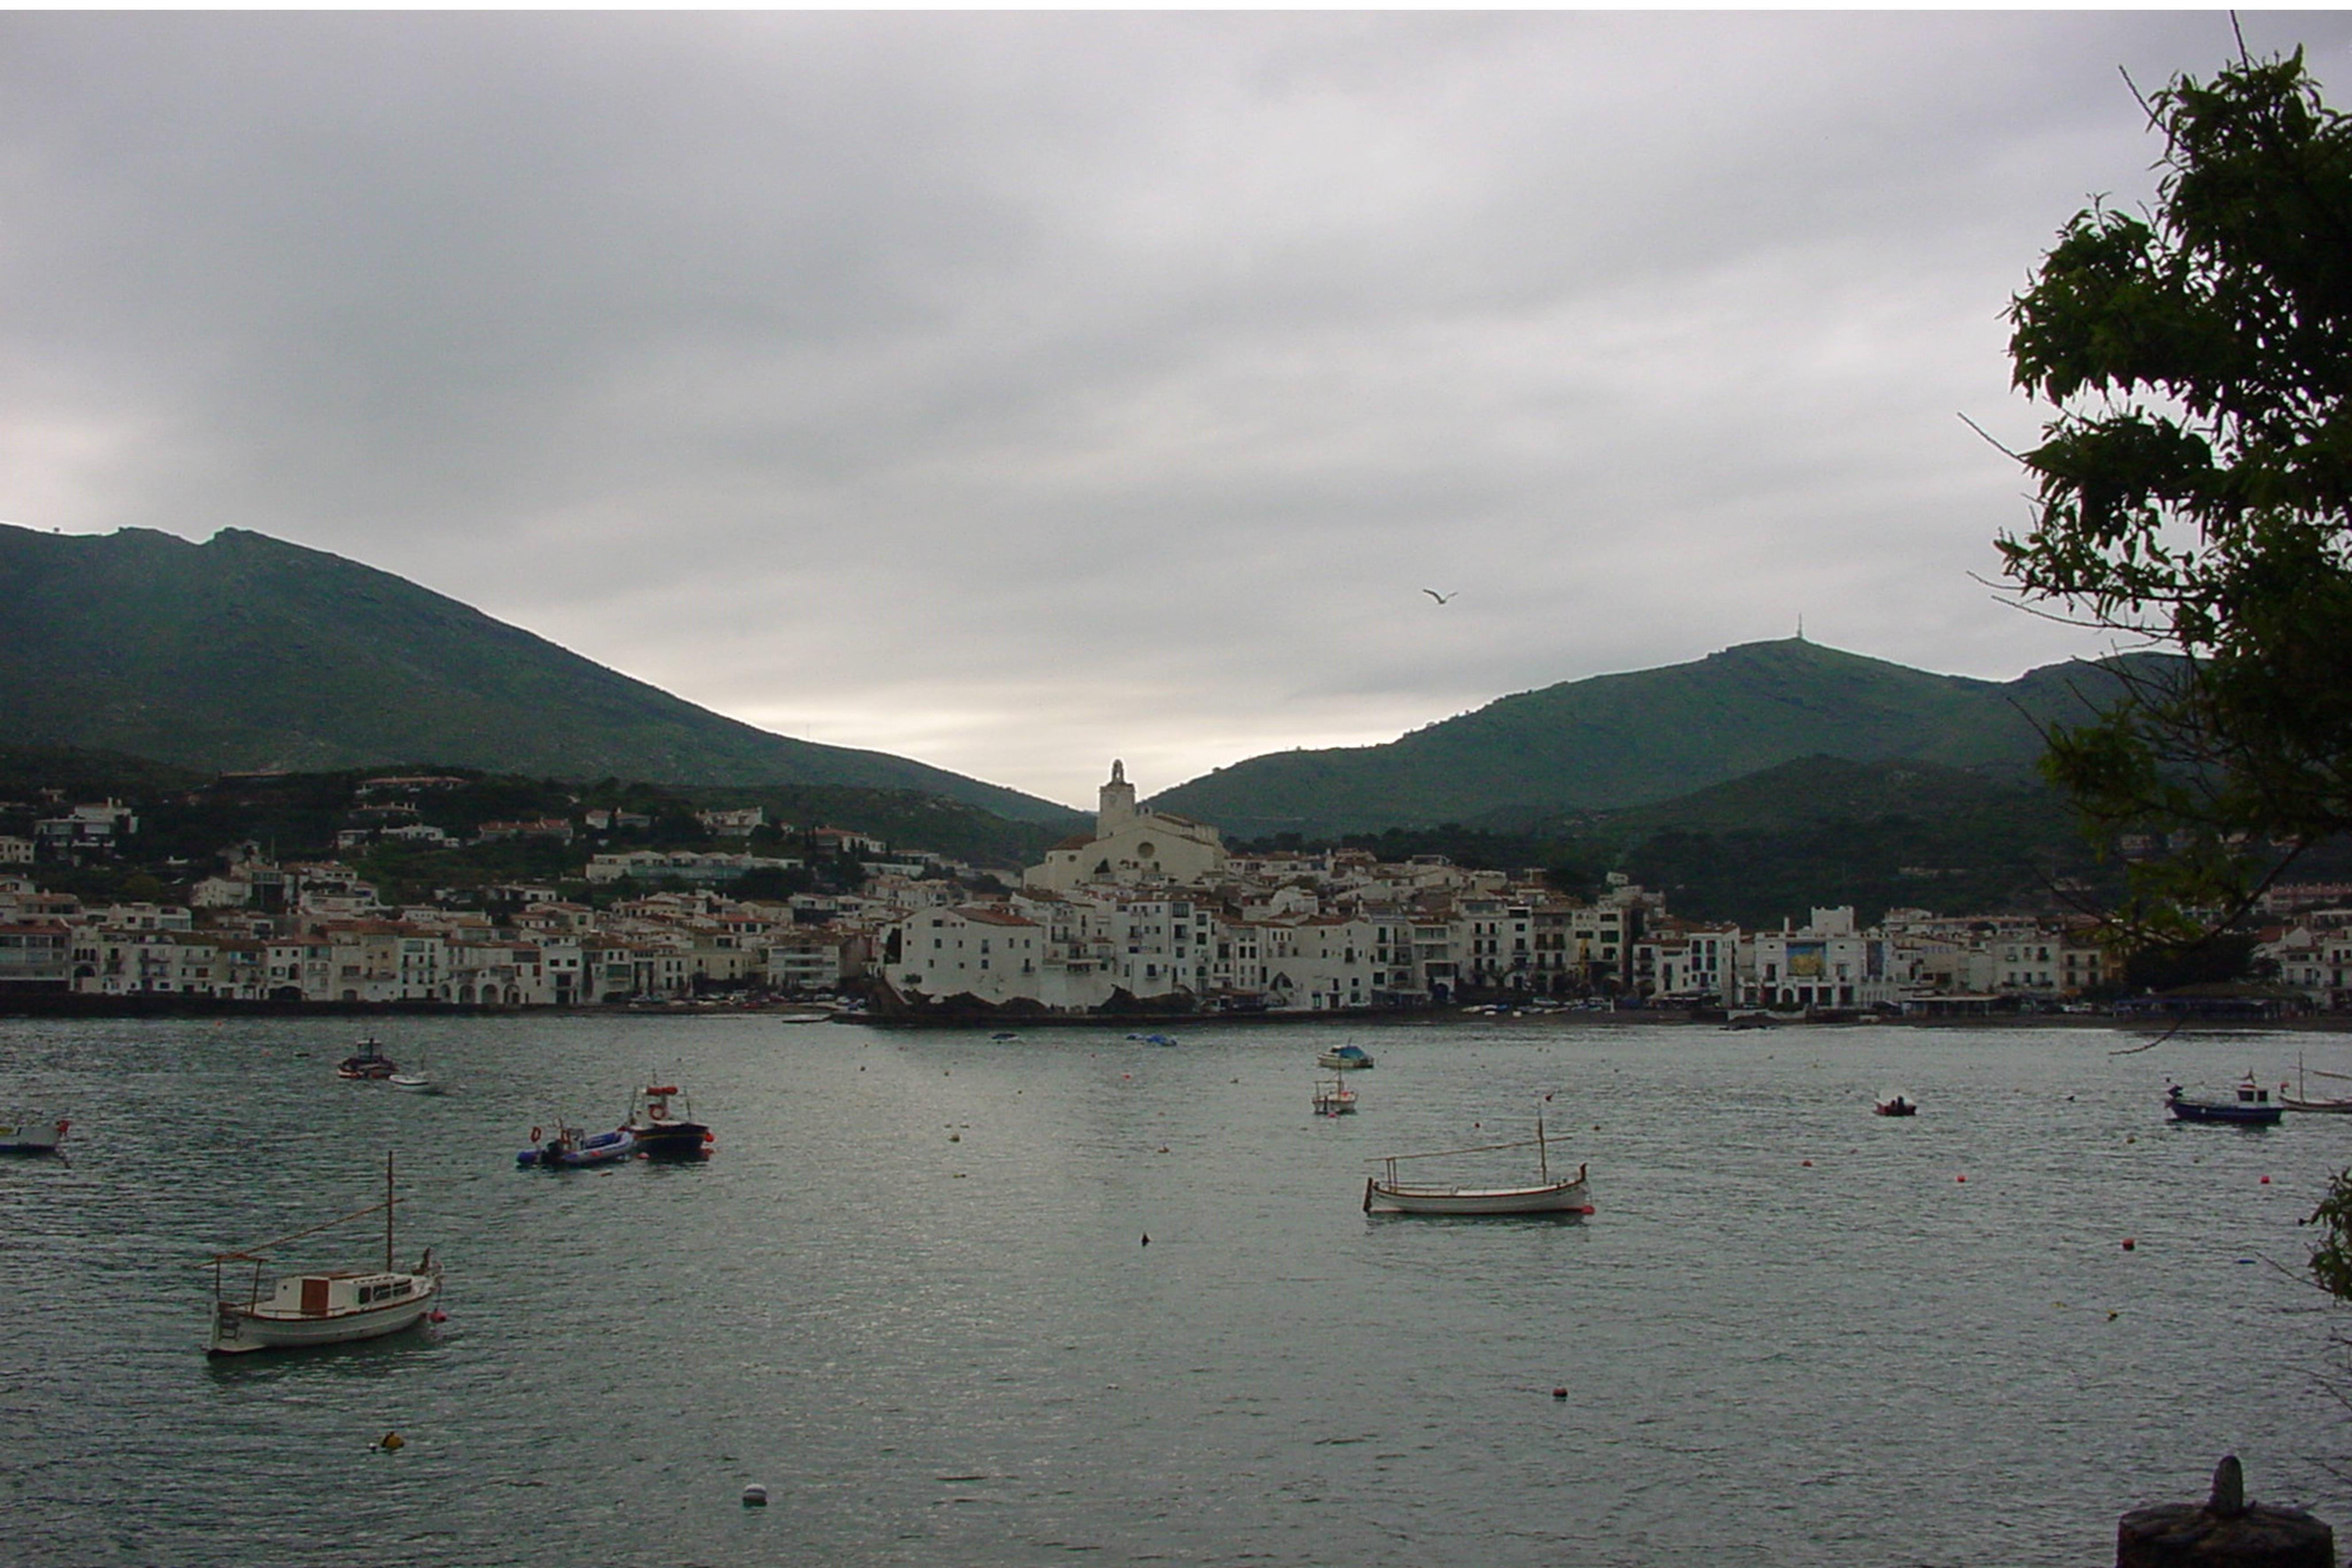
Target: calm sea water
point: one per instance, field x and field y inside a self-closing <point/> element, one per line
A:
<point x="912" y="1298"/>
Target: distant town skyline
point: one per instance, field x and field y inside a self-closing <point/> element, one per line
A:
<point x="1013" y="392"/>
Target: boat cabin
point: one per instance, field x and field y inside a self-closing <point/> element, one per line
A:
<point x="339" y="1291"/>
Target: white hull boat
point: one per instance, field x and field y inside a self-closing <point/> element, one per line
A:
<point x="1545" y="1197"/>
<point x="2303" y="1100"/>
<point x="1334" y="1098"/>
<point x="326" y="1307"/>
<point x="31" y="1132"/>
<point x="1570" y="1196"/>
<point x="329" y="1309"/>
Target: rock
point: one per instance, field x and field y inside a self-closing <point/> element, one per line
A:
<point x="2225" y="1531"/>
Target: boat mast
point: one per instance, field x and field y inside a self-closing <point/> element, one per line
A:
<point x="387" y="1211"/>
<point x="1543" y="1162"/>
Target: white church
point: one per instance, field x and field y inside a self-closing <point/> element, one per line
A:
<point x="1130" y="844"/>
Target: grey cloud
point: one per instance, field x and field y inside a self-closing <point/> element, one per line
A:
<point x="1144" y="364"/>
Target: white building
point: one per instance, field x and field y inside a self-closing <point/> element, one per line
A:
<point x="978" y="950"/>
<point x="684" y="865"/>
<point x="2315" y="961"/>
<point x="1131" y="845"/>
<point x="811" y="958"/>
<point x="1688" y="963"/>
<point x="36" y="957"/>
<point x="1828" y="965"/>
<point x="1323" y="963"/>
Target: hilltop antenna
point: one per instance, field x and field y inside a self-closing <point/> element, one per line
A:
<point x="1800" y="626"/>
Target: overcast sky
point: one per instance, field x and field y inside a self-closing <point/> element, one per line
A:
<point x="1013" y="392"/>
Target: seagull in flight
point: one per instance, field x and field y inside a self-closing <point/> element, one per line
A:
<point x="1440" y="598"/>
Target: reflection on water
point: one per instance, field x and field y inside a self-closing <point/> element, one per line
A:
<point x="910" y="1294"/>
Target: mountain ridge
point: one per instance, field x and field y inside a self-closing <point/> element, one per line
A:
<point x="248" y="652"/>
<point x="245" y="652"/>
<point x="1622" y="740"/>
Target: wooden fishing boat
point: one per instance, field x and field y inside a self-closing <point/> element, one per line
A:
<point x="663" y="1131"/>
<point x="2303" y="1100"/>
<point x="1569" y="1195"/>
<point x="326" y="1308"/>
<point x="367" y="1061"/>
<point x="1335" y="1098"/>
<point x="2253" y="1107"/>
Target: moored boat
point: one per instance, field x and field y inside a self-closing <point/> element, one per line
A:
<point x="570" y="1148"/>
<point x="1334" y="1098"/>
<point x="665" y="1130"/>
<point x="367" y="1061"/>
<point x="1569" y="1195"/>
<point x="2253" y="1107"/>
<point x="1897" y="1105"/>
<point x="1344" y="1058"/>
<point x="24" y="1131"/>
<point x="2303" y="1100"/>
<point x="327" y="1307"/>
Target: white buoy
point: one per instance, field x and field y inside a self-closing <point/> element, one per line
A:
<point x="755" y="1497"/>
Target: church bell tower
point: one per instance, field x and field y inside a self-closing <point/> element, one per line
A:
<point x="1116" y="808"/>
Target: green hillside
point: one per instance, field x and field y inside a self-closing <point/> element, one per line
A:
<point x="1876" y="835"/>
<point x="1817" y="831"/>
<point x="87" y="775"/>
<point x="245" y="652"/>
<point x="1619" y="740"/>
<point x="186" y="820"/>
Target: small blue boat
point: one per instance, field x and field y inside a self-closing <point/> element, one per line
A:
<point x="569" y="1148"/>
<point x="2252" y="1108"/>
<point x="1344" y="1058"/>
